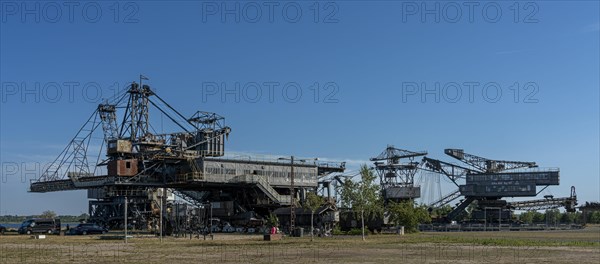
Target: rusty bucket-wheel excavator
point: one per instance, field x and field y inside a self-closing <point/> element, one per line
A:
<point x="132" y="162"/>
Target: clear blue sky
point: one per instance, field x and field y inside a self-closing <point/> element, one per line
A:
<point x="371" y="51"/>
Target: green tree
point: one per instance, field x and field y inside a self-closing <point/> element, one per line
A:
<point x="402" y="214"/>
<point x="423" y="214"/>
<point x="552" y="216"/>
<point x="363" y="197"/>
<point x="538" y="217"/>
<point x="83" y="216"/>
<point x="406" y="214"/>
<point x="594" y="217"/>
<point x="48" y="214"/>
<point x="578" y="217"/>
<point x="442" y="211"/>
<point x="312" y="203"/>
<point x="527" y="217"/>
<point x="567" y="218"/>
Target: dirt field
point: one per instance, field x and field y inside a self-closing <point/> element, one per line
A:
<point x="579" y="246"/>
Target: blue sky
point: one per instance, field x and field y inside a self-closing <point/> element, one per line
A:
<point x="365" y="56"/>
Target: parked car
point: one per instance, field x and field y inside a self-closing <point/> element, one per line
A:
<point x="40" y="225"/>
<point x="88" y="228"/>
<point x="2" y="229"/>
<point x="227" y="228"/>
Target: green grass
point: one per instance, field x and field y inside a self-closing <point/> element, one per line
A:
<point x="470" y="247"/>
<point x="498" y="241"/>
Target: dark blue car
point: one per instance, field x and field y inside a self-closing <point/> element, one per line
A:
<point x="87" y="229"/>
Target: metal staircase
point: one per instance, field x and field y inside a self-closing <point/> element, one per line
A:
<point x="446" y="199"/>
<point x="265" y="187"/>
<point x="460" y="209"/>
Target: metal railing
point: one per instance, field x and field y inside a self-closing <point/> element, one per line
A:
<point x="262" y="183"/>
<point x="190" y="177"/>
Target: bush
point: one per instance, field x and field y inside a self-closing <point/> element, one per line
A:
<point x="337" y="231"/>
<point x="355" y="231"/>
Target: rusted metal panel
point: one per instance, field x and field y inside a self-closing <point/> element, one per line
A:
<point x="126" y="167"/>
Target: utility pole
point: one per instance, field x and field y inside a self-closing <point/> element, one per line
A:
<point x="293" y="192"/>
<point x="125" y="219"/>
<point x="293" y="197"/>
<point x="161" y="193"/>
